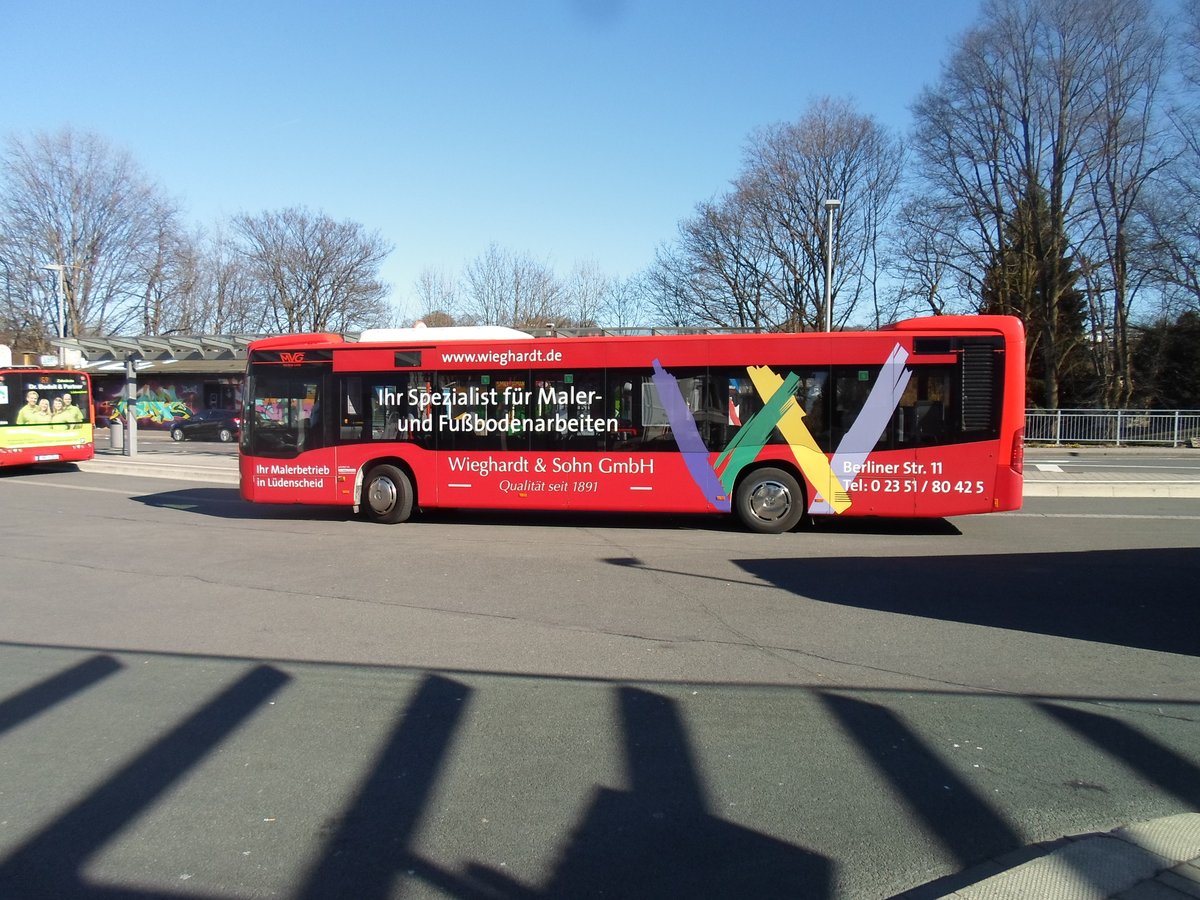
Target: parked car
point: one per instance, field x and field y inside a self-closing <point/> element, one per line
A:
<point x="207" y="425"/>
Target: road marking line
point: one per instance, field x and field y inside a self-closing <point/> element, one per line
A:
<point x="1031" y="515"/>
<point x="78" y="487"/>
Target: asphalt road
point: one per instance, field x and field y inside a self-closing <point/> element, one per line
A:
<point x="199" y="698"/>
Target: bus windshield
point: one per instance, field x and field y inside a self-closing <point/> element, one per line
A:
<point x="282" y="412"/>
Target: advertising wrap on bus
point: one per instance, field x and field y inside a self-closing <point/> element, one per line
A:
<point x="922" y="419"/>
<point x="45" y="416"/>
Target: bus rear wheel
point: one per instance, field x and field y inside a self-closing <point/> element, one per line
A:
<point x="387" y="495"/>
<point x="769" y="501"/>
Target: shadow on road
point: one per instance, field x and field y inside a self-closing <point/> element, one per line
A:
<point x="1132" y="598"/>
<point x="226" y="503"/>
<point x="658" y="835"/>
<point x="656" y="839"/>
<point x="50" y="864"/>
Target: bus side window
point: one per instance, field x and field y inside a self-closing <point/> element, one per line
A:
<point x="385" y="419"/>
<point x="568" y="410"/>
<point x="711" y="410"/>
<point x="928" y="397"/>
<point x="475" y="414"/>
<point x="931" y="421"/>
<point x="308" y="414"/>
<point x="654" y="425"/>
<point x="851" y="387"/>
<point x="404" y="409"/>
<point x="353" y="420"/>
<point x="741" y="402"/>
<point x="314" y="426"/>
<point x="923" y="416"/>
<point x="623" y="404"/>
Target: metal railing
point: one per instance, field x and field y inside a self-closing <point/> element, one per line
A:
<point x="1175" y="428"/>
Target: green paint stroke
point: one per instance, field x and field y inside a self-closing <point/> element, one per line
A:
<point x="755" y="431"/>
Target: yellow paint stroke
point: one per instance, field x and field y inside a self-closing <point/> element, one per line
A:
<point x="812" y="462"/>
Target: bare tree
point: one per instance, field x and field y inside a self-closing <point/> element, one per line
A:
<point x="437" y="298"/>
<point x="730" y="266"/>
<point x="1171" y="209"/>
<point x="831" y="152"/>
<point x="925" y="258"/>
<point x="21" y="322"/>
<point x="668" y="289"/>
<point x="505" y="288"/>
<point x="957" y="145"/>
<point x="311" y="273"/>
<point x="71" y="200"/>
<point x="1035" y="138"/>
<point x="625" y="303"/>
<point x="1124" y="150"/>
<point x="756" y="258"/>
<point x="171" y="275"/>
<point x="219" y="298"/>
<point x="585" y="293"/>
<point x="231" y="304"/>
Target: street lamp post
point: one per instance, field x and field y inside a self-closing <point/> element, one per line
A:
<point x="830" y="206"/>
<point x="62" y="293"/>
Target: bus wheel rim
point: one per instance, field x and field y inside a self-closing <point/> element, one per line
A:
<point x="771" y="501"/>
<point x="382" y="495"/>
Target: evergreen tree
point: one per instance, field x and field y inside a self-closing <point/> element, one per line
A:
<point x="1029" y="280"/>
<point x="1166" y="360"/>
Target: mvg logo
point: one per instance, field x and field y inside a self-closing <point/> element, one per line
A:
<point x="291" y="359"/>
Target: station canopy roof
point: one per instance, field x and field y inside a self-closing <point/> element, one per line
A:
<point x="225" y="354"/>
<point x="196" y="354"/>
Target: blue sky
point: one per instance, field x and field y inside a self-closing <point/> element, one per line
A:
<point x="570" y="130"/>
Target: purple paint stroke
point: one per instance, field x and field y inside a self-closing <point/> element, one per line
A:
<point x="876" y="412"/>
<point x="687" y="438"/>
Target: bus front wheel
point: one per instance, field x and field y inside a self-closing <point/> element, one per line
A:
<point x="387" y="495"/>
<point x="770" y="501"/>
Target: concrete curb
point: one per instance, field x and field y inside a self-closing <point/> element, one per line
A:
<point x="1144" y="489"/>
<point x="217" y="474"/>
<point x="1158" y="858"/>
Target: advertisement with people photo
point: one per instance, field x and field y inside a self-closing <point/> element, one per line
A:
<point x="44" y="416"/>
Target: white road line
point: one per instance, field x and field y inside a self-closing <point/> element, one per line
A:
<point x="1029" y="515"/>
<point x="1097" y="464"/>
<point x="77" y="487"/>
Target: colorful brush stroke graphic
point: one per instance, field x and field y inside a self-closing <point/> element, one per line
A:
<point x="782" y="410"/>
<point x="868" y="426"/>
<point x="687" y="437"/>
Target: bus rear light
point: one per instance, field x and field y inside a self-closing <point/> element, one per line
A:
<point x="1018" y="451"/>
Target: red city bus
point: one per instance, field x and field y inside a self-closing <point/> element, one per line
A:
<point x="45" y="416"/>
<point x="922" y="418"/>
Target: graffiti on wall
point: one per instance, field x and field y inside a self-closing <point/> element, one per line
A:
<point x="159" y="402"/>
